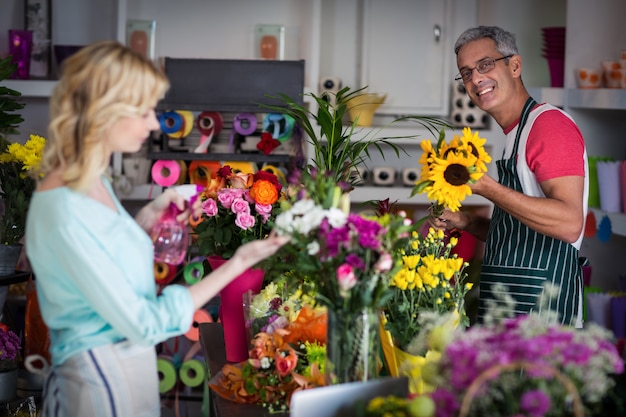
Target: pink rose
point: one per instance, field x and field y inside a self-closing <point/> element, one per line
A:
<point x="209" y="207"/>
<point x="245" y="221"/>
<point x="240" y="206"/>
<point x="385" y="263"/>
<point x="346" y="278"/>
<point x="263" y="208"/>
<point x="226" y="198"/>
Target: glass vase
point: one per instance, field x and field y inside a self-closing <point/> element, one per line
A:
<point x="352" y="346"/>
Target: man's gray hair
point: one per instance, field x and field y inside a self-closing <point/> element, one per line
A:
<point x="505" y="41"/>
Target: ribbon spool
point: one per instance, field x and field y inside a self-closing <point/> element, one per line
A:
<point x="167" y="374"/>
<point x="176" y="124"/>
<point x="194" y="272"/>
<point x="243" y="124"/>
<point x="166" y="172"/>
<point x="192" y="373"/>
<point x="279" y="125"/>
<point x="209" y="124"/>
<point x="276" y="171"/>
<point x="200" y="316"/>
<point x="241" y="166"/>
<point x="201" y="172"/>
<point x="164" y="273"/>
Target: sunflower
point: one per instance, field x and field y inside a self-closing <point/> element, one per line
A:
<point x="449" y="168"/>
<point x="450" y="177"/>
<point x="476" y="145"/>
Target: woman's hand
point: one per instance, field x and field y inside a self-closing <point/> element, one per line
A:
<point x="152" y="212"/>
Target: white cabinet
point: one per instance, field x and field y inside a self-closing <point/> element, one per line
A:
<point x="406" y="54"/>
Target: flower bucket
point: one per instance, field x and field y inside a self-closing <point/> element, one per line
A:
<point x="231" y="312"/>
<point x="8" y="385"/>
<point x="362" y="107"/>
<point x="9" y="256"/>
<point x="352" y="346"/>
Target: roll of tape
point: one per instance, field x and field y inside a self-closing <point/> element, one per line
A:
<point x="209" y="123"/>
<point x="192" y="372"/>
<point x="201" y="172"/>
<point x="182" y="177"/>
<point x="241" y="166"/>
<point x="166" y="172"/>
<point x="186" y="126"/>
<point x="200" y="316"/>
<point x="170" y="122"/>
<point x="279" y="125"/>
<point x="164" y="273"/>
<point x="167" y="374"/>
<point x="193" y="273"/>
<point x="276" y="171"/>
<point x="243" y="124"/>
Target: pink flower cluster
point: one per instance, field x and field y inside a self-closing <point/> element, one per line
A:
<point x="239" y="201"/>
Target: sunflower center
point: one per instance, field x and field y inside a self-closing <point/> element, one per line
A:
<point x="456" y="174"/>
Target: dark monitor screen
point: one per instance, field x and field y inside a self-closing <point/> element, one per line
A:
<point x="230" y="84"/>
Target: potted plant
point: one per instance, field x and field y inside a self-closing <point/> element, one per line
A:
<point x="15" y="183"/>
<point x="336" y="150"/>
<point x="10" y="345"/>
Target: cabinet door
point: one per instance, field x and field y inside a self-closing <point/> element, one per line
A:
<point x="406" y="55"/>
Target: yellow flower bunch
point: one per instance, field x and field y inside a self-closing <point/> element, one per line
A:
<point x="431" y="279"/>
<point x="17" y="187"/>
<point x="447" y="169"/>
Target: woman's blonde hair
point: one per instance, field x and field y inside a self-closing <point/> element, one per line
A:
<point x="100" y="84"/>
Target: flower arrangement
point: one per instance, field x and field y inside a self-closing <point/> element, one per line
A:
<point x="448" y="168"/>
<point x="285" y="360"/>
<point x="10" y="345"/>
<point x="431" y="279"/>
<point x="524" y="365"/>
<point x="237" y="208"/>
<point x="16" y="160"/>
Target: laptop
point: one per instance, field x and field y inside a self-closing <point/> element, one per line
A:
<point x="341" y="400"/>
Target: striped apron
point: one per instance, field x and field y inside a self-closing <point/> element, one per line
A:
<point x="524" y="261"/>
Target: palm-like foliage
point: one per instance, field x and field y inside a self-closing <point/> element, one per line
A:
<point x="335" y="148"/>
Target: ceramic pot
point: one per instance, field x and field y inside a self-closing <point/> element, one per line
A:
<point x="9" y="256"/>
<point x="8" y="385"/>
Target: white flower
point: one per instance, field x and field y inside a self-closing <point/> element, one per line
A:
<point x="336" y="217"/>
<point x="313" y="248"/>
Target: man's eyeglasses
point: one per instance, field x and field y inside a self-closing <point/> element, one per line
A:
<point x="483" y="67"/>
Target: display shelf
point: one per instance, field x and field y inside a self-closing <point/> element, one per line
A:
<point x="597" y="98"/>
<point x="31" y="88"/>
<point x="618" y="220"/>
<point x="361" y="194"/>
<point x="210" y="156"/>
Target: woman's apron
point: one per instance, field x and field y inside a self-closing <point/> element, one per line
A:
<point x="524" y="261"/>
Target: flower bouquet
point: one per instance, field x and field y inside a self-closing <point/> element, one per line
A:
<point x="237" y="208"/>
<point x="448" y="168"/>
<point x="524" y="365"/>
<point x="346" y="261"/>
<point x="282" y="360"/>
<point x="430" y="282"/>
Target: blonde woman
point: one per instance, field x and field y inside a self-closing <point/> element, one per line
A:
<point x="92" y="261"/>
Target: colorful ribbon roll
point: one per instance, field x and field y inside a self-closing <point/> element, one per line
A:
<point x="167" y="374"/>
<point x="192" y="372"/>
<point x="276" y="171"/>
<point x="279" y="125"/>
<point x="200" y="316"/>
<point x="241" y="166"/>
<point x="176" y="124"/>
<point x="164" y="273"/>
<point x="209" y="124"/>
<point x="166" y="172"/>
<point x="201" y="172"/>
<point x="243" y="124"/>
<point x="194" y="272"/>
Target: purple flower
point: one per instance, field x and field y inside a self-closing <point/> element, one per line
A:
<point x="445" y="402"/>
<point x="355" y="261"/>
<point x="535" y="403"/>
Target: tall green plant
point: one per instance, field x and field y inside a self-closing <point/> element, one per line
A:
<point x="335" y="149"/>
<point x="9" y="121"/>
